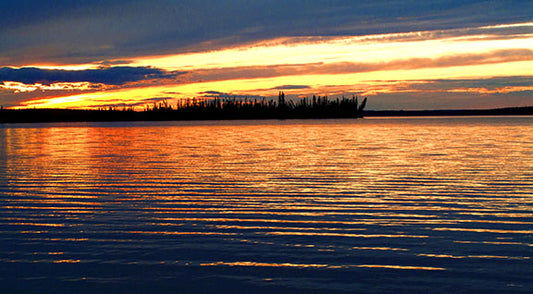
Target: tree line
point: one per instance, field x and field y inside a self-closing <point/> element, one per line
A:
<point x="203" y="109"/>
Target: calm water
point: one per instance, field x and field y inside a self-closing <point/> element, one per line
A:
<point x="370" y="205"/>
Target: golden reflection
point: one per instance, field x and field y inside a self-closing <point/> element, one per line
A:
<point x="74" y="210"/>
<point x="40" y="260"/>
<point x="339" y="188"/>
<point x="494" y="243"/>
<point x="485" y="230"/>
<point x="474" y="256"/>
<point x="253" y="220"/>
<point x="67" y="261"/>
<point x="502" y="214"/>
<point x="496" y="222"/>
<point x="181" y="233"/>
<point x="362" y="221"/>
<point x="59" y="157"/>
<point x="297" y="265"/>
<point x="380" y="248"/>
<point x="285" y="228"/>
<point x="403" y="267"/>
<point x="38" y="224"/>
<point x="264" y="264"/>
<point x="345" y="235"/>
<point x="329" y="208"/>
<point x="56" y="200"/>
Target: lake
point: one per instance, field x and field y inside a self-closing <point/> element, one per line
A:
<point x="379" y="205"/>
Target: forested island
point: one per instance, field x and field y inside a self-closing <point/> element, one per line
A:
<point x="316" y="107"/>
<point x="201" y="109"/>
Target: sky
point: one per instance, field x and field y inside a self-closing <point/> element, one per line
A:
<point x="408" y="54"/>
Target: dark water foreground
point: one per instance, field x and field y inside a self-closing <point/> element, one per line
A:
<point x="433" y="205"/>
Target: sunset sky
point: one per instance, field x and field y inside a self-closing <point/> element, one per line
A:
<point x="442" y="54"/>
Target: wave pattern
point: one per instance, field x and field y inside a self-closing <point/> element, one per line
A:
<point x="374" y="205"/>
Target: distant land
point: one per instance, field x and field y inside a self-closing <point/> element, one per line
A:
<point x="69" y="115"/>
<point x="232" y="109"/>
<point x="201" y="109"/>
<point x="526" y="110"/>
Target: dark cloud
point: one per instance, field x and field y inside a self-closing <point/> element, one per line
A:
<point x="171" y="93"/>
<point x="489" y="84"/>
<point x="114" y="62"/>
<point x="154" y="99"/>
<point x="110" y="75"/>
<point x="291" y="87"/>
<point x="65" y="31"/>
<point x="213" y="93"/>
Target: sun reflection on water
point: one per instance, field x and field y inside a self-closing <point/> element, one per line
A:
<point x="339" y="195"/>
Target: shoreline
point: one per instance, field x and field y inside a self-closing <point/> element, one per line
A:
<point x="70" y="115"/>
<point x="527" y="110"/>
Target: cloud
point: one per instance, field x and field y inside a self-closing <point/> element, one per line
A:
<point x="268" y="71"/>
<point x="18" y="87"/>
<point x="89" y="31"/>
<point x="155" y="99"/>
<point x="114" y="62"/>
<point x="291" y="87"/>
<point x="213" y="93"/>
<point x="109" y="76"/>
<point x="444" y="88"/>
<point x="217" y="94"/>
<point x="487" y="85"/>
<point x="451" y="100"/>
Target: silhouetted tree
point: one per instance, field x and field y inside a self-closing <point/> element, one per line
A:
<point x="363" y="104"/>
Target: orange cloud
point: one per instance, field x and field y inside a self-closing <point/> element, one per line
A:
<point x="18" y="87"/>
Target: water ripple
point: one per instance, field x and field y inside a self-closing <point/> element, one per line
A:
<point x="298" y="204"/>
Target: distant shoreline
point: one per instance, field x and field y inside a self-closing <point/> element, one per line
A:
<point x="69" y="115"/>
<point x="527" y="110"/>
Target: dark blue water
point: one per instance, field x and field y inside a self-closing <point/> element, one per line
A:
<point x="375" y="205"/>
